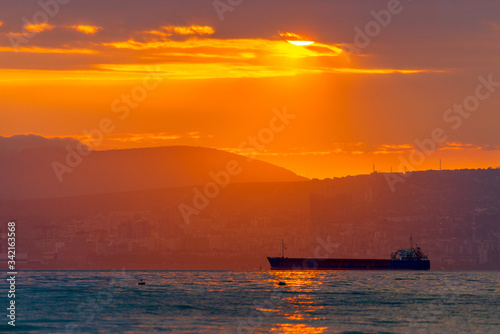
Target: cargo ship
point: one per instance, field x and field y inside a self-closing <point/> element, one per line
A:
<point x="402" y="259"/>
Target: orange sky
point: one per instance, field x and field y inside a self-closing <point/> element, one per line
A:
<point x="175" y="74"/>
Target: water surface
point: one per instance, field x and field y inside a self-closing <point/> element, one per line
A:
<point x="253" y="302"/>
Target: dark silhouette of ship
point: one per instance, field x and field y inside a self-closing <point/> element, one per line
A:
<point x="402" y="259"/>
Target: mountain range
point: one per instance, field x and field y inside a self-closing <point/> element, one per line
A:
<point x="62" y="172"/>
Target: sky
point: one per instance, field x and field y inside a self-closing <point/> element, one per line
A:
<point x="323" y="88"/>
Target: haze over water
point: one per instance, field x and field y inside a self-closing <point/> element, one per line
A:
<point x="253" y="302"/>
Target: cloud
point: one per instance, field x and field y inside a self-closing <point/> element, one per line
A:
<point x="194" y="52"/>
<point x="31" y="141"/>
<point x="204" y="57"/>
<point x="266" y="47"/>
<point x="335" y="148"/>
<point x="20" y="40"/>
<point x="236" y="58"/>
<point x="189" y="30"/>
<point x="156" y="139"/>
<point x="22" y="142"/>
<point x="291" y="35"/>
<point x="38" y="28"/>
<point x="30" y="30"/>
<point x="296" y="39"/>
<point x="86" y="29"/>
<point x="35" y="49"/>
<point x="489" y="147"/>
<point x="392" y="149"/>
<point x="455" y="146"/>
<point x="361" y="148"/>
<point x="468" y="146"/>
<point x="492" y="25"/>
<point x="381" y="70"/>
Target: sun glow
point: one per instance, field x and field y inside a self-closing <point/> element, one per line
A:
<point x="296" y="39"/>
<point x="301" y="43"/>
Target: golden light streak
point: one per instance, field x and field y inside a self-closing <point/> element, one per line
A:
<point x="35" y="49"/>
<point x="278" y="154"/>
<point x="210" y="58"/>
<point x="459" y="146"/>
<point x="290" y="35"/>
<point x="129" y="140"/>
<point x="231" y="70"/>
<point x="265" y="46"/>
<point x="385" y="149"/>
<point x="241" y="55"/>
<point x="190" y="30"/>
<point x="77" y="78"/>
<point x="38" y="27"/>
<point x="211" y="70"/>
<point x="380" y="70"/>
<point x="159" y="33"/>
<point x="86" y="29"/>
<point x="137" y="138"/>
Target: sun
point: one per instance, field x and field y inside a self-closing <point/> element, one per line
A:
<point x="300" y="43"/>
<point x="295" y="39"/>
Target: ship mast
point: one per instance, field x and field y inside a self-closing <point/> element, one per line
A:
<point x="283" y="248"/>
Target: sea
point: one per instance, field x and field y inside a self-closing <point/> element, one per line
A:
<point x="253" y="302"/>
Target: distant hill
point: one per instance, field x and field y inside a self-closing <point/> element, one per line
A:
<point x="33" y="172"/>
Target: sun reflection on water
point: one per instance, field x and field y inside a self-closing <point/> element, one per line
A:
<point x="302" y="301"/>
<point x="298" y="328"/>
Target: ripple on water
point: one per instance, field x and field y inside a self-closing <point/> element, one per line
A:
<point x="210" y="302"/>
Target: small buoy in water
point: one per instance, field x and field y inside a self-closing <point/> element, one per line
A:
<point x="141" y="283"/>
<point x="281" y="283"/>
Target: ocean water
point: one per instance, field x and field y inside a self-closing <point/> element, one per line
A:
<point x="253" y="302"/>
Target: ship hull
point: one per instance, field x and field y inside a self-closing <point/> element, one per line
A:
<point x="279" y="263"/>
